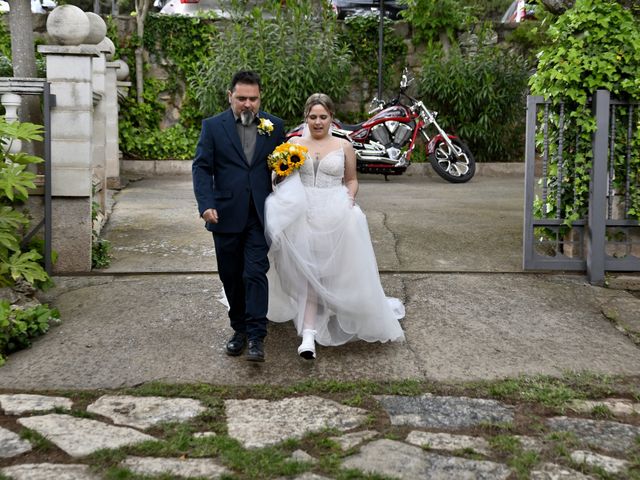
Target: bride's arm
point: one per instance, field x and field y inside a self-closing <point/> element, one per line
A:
<point x="350" y="176"/>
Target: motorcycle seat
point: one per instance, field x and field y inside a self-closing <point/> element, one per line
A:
<point x="351" y="128"/>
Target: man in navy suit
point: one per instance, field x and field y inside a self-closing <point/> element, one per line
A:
<point x="231" y="181"/>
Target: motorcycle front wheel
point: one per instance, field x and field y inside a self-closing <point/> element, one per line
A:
<point x="453" y="168"/>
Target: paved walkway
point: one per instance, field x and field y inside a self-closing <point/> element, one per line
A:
<point x="450" y="252"/>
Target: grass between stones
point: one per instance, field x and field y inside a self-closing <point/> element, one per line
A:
<point x="534" y="399"/>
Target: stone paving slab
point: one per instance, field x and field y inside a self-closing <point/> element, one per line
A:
<point x="145" y="412"/>
<point x="19" y="403"/>
<point x="608" y="464"/>
<point x="610" y="436"/>
<point x="399" y="460"/>
<point x="49" y="471"/>
<point x="193" y="467"/>
<point x="11" y="445"/>
<point x="448" y="442"/>
<point x="79" y="437"/>
<point x="531" y="443"/>
<point x="350" y="440"/>
<point x="310" y="476"/>
<point x="302" y="456"/>
<point x="259" y="423"/>
<point x="617" y="406"/>
<point x="432" y="411"/>
<point x="552" y="471"/>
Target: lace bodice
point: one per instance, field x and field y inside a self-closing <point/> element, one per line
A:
<point x="328" y="173"/>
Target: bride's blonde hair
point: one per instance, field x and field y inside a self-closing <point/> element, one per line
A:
<point x="319" y="99"/>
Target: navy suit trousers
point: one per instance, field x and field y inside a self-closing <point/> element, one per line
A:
<point x="243" y="265"/>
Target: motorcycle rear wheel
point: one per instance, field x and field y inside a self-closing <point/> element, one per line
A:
<point x="453" y="169"/>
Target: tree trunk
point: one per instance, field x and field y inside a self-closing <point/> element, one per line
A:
<point x="24" y="56"/>
<point x="142" y="7"/>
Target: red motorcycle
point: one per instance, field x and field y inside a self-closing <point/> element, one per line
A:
<point x="384" y="143"/>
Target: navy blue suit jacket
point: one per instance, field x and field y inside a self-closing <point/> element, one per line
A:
<point x="223" y="178"/>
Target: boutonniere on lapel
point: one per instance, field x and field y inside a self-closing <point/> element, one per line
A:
<point x="265" y="127"/>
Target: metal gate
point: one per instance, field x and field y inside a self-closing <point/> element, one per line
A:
<point x="570" y="224"/>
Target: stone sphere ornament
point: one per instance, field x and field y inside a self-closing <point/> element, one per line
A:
<point x="67" y="25"/>
<point x="97" y="29"/>
<point x="122" y="73"/>
<point x="107" y="47"/>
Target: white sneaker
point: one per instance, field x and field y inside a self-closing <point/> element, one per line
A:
<point x="307" y="348"/>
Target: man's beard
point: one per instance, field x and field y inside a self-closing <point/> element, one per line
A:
<point x="247" y="117"/>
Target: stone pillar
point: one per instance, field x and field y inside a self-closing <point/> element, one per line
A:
<point x="96" y="36"/>
<point x="98" y="164"/>
<point x="112" y="160"/>
<point x="122" y="87"/>
<point x="70" y="72"/>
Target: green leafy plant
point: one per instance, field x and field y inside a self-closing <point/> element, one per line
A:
<point x="429" y="19"/>
<point x="19" y="326"/>
<point x="17" y="262"/>
<point x="15" y="182"/>
<point x="481" y="97"/>
<point x="100" y="247"/>
<point x="295" y="53"/>
<point x="594" y="45"/>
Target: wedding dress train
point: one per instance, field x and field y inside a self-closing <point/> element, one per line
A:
<point x="323" y="273"/>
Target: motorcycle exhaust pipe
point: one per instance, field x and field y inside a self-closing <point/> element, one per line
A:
<point x="385" y="160"/>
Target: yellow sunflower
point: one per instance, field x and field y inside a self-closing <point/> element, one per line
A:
<point x="286" y="158"/>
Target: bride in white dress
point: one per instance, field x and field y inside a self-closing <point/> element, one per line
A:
<point x="323" y="273"/>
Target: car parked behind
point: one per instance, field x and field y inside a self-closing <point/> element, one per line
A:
<point x="346" y="8"/>
<point x="518" y="11"/>
<point x="221" y="8"/>
<point x="37" y="6"/>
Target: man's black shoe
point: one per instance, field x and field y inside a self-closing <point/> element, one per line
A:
<point x="256" y="351"/>
<point x="236" y="344"/>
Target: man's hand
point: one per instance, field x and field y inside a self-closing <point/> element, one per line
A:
<point x="210" y="215"/>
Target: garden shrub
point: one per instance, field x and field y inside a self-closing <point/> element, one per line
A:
<point x="295" y="53"/>
<point x="480" y="97"/>
<point x="18" y="326"/>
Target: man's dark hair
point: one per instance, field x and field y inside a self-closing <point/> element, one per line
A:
<point x="247" y="77"/>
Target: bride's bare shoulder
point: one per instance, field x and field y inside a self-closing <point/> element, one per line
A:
<point x="297" y="141"/>
<point x="345" y="145"/>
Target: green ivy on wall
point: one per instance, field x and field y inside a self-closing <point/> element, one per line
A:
<point x="177" y="44"/>
<point x="594" y="45"/>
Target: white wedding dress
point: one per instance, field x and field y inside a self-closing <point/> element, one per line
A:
<point x="323" y="267"/>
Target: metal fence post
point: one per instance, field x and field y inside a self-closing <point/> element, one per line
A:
<point x="596" y="229"/>
<point x="529" y="179"/>
<point x="49" y="99"/>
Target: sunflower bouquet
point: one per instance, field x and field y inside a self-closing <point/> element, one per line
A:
<point x="286" y="158"/>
